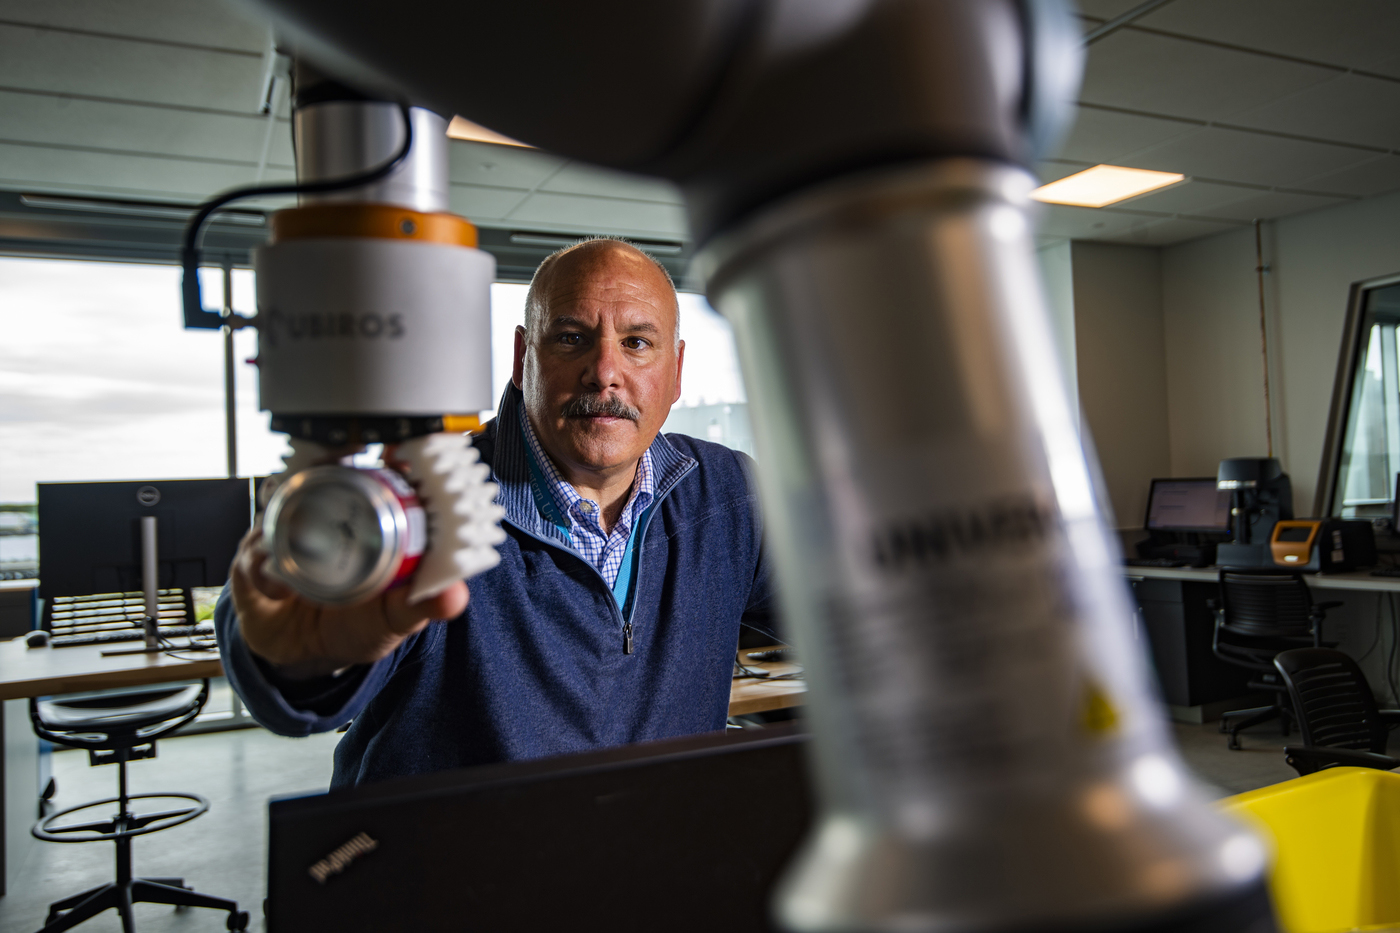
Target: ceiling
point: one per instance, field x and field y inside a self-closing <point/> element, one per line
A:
<point x="1271" y="107"/>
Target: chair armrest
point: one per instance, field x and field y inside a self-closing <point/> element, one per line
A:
<point x="1305" y="759"/>
<point x="1390" y="716"/>
<point x="1330" y="604"/>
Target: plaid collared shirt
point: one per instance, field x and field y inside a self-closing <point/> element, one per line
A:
<point x="604" y="551"/>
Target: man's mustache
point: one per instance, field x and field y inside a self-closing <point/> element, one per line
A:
<point x="594" y="406"/>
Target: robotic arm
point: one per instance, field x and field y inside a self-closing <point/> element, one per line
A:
<point x="988" y="754"/>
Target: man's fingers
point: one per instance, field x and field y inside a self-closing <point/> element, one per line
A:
<point x="252" y="556"/>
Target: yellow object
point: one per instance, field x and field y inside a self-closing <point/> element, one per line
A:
<point x="1337" y="840"/>
<point x="1097" y="716"/>
<point x="1292" y="541"/>
<point x="462" y="424"/>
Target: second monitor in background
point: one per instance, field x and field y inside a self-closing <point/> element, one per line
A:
<point x="1186" y="519"/>
<point x="112" y="555"/>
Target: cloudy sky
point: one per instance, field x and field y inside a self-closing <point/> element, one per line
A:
<point x="99" y="381"/>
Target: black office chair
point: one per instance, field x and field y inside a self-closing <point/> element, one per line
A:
<point x="1337" y="714"/>
<point x="115" y="727"/>
<point x="1258" y="615"/>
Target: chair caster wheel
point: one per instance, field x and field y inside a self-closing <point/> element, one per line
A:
<point x="238" y="920"/>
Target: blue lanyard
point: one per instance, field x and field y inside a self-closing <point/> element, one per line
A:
<point x="544" y="500"/>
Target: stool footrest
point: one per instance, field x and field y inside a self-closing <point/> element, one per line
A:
<point x="122" y="826"/>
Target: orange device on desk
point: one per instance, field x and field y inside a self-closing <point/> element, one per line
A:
<point x="1323" y="544"/>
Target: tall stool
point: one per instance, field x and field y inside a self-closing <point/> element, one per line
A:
<point x="115" y="727"/>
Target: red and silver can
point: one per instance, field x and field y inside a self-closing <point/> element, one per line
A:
<point x="339" y="535"/>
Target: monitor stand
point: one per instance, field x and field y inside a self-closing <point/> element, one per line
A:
<point x="150" y="573"/>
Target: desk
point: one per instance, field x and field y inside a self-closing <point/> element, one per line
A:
<point x="1353" y="580"/>
<point x="1196" y="685"/>
<point x="755" y="695"/>
<point x="31" y="672"/>
<point x="28" y="672"/>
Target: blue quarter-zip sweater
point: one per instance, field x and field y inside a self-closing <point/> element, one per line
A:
<point x="535" y="666"/>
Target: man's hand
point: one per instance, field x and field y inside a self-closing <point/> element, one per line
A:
<point x="303" y="639"/>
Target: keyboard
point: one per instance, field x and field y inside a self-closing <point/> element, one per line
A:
<point x="772" y="654"/>
<point x="1154" y="562"/>
<point x="131" y="634"/>
<point x="1386" y="572"/>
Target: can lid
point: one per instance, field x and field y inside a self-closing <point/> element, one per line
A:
<point x="335" y="534"/>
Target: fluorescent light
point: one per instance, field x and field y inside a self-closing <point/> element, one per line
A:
<point x="140" y="209"/>
<point x="1103" y="185"/>
<point x="462" y="128"/>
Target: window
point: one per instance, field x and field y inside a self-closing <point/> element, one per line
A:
<point x="99" y="380"/>
<point x="1363" y="449"/>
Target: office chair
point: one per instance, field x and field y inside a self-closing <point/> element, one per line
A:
<point x="117" y="726"/>
<point x="1337" y="713"/>
<point x="1257" y="616"/>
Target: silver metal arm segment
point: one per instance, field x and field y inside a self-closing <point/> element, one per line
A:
<point x="988" y="753"/>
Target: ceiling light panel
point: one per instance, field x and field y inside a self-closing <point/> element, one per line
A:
<point x="462" y="128"/>
<point x="1103" y="185"/>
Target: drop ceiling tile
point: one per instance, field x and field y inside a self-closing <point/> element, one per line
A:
<point x="1104" y="135"/>
<point x="583" y="214"/>
<point x="139" y="129"/>
<point x="1377" y="175"/>
<point x="1157" y="74"/>
<point x="37" y="168"/>
<point x="1080" y="223"/>
<point x="479" y="204"/>
<point x="64" y="63"/>
<point x="1189" y="197"/>
<point x="1051" y="170"/>
<point x="583" y="178"/>
<point x="1106" y="9"/>
<point x="1387" y="66"/>
<point x="1169" y="232"/>
<point x="221" y="25"/>
<point x="1219" y="154"/>
<point x="1270" y="205"/>
<point x="1354" y="33"/>
<point x="1347" y="108"/>
<point x="496" y="166"/>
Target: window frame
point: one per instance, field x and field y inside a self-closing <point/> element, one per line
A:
<point x="1355" y="337"/>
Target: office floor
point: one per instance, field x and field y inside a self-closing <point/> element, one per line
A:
<point x="223" y="852"/>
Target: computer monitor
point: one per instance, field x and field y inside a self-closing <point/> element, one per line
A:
<point x="1188" y="505"/>
<point x="90" y="533"/>
<point x="683" y="835"/>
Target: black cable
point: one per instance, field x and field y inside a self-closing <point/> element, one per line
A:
<point x="1376" y="636"/>
<point x="1395" y="640"/>
<point x="189" y="253"/>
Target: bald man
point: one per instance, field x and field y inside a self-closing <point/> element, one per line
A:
<point x="630" y="560"/>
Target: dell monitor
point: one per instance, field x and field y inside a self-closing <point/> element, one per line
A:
<point x="147" y="536"/>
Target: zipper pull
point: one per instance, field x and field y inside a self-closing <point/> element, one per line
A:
<point x="627" y="638"/>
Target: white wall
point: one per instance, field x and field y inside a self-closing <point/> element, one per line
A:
<point x="1213" y="359"/>
<point x="1121" y="362"/>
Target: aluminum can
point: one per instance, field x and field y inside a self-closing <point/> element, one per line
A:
<point x="339" y="535"/>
